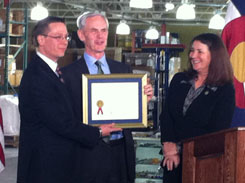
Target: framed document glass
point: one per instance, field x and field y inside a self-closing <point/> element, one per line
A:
<point x="115" y="98"/>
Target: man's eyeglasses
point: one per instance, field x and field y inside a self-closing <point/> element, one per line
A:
<point x="59" y="38"/>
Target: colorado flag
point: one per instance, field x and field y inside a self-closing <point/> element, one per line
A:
<point x="233" y="36"/>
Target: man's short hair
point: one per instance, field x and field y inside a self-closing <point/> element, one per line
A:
<point x="81" y="20"/>
<point x="42" y="27"/>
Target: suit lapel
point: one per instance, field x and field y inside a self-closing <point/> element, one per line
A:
<point x="83" y="66"/>
<point x="44" y="67"/>
<point x="113" y="68"/>
<point x="49" y="73"/>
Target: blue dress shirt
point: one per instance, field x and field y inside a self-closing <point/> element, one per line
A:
<point x="93" y="69"/>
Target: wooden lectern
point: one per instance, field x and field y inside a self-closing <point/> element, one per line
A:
<point x="215" y="158"/>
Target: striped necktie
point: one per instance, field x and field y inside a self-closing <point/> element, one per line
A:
<point x="98" y="64"/>
<point x="59" y="74"/>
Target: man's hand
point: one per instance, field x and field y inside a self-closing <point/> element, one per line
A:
<point x="108" y="128"/>
<point x="148" y="90"/>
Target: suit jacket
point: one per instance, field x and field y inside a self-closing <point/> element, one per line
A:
<point x="50" y="135"/>
<point x="211" y="111"/>
<point x="72" y="76"/>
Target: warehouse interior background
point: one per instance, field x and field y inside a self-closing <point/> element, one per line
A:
<point x="137" y="19"/>
<point x="120" y="47"/>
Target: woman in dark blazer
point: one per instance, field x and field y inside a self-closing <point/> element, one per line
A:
<point x="200" y="100"/>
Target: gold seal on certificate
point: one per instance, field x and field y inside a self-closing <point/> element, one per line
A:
<point x="100" y="104"/>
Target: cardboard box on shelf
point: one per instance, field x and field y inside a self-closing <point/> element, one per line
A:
<point x="3" y="20"/>
<point x="11" y="77"/>
<point x="1" y="77"/>
<point x="11" y="65"/>
<point x="18" y="77"/>
<point x="17" y="29"/>
<point x="14" y="78"/>
<point x="2" y="25"/>
<point x="11" y="70"/>
<point x="144" y="70"/>
<point x="18" y="16"/>
<point x="114" y="53"/>
<point x="2" y="63"/>
<point x="140" y="59"/>
<point x="2" y="49"/>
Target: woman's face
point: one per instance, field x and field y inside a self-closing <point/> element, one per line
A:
<point x="200" y="57"/>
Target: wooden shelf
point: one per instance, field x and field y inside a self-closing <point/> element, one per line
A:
<point x="12" y="45"/>
<point x="3" y="34"/>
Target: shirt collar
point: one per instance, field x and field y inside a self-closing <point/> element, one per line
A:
<point x="90" y="60"/>
<point x="192" y="82"/>
<point x="52" y="64"/>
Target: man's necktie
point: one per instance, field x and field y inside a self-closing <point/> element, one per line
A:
<point x="98" y="64"/>
<point x="115" y="135"/>
<point x="59" y="74"/>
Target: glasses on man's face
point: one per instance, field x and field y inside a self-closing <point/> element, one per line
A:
<point x="59" y="38"/>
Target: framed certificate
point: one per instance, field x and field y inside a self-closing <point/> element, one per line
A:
<point x="115" y="98"/>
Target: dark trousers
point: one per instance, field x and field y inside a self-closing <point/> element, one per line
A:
<point x="106" y="163"/>
<point x="118" y="166"/>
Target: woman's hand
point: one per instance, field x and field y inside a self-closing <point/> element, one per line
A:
<point x="171" y="155"/>
<point x="169" y="148"/>
<point x="171" y="161"/>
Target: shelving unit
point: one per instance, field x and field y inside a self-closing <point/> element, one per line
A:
<point x="159" y="72"/>
<point x="159" y="75"/>
<point x="168" y="49"/>
<point x="8" y="46"/>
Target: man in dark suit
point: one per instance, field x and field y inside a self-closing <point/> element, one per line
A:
<point x="114" y="162"/>
<point x="50" y="135"/>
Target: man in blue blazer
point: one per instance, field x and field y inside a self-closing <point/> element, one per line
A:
<point x="112" y="162"/>
<point x="50" y="135"/>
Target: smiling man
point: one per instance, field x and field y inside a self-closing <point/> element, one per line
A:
<point x="112" y="161"/>
<point x="50" y="135"/>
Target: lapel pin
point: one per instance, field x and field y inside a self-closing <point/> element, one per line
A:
<point x="206" y="92"/>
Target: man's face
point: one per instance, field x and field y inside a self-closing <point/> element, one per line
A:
<point x="94" y="35"/>
<point x="54" y="43"/>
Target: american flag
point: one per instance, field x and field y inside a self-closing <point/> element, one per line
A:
<point x="6" y="2"/>
<point x="2" y="157"/>
<point x="233" y="36"/>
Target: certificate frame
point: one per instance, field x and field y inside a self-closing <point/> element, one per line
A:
<point x="115" y="98"/>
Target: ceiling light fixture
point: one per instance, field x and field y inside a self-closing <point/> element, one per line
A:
<point x="152" y="33"/>
<point x="39" y="12"/>
<point x="186" y="11"/>
<point x="139" y="4"/>
<point x="169" y="6"/>
<point x="217" y="21"/>
<point x="123" y="28"/>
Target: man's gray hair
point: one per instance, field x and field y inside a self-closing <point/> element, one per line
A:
<point x="81" y="20"/>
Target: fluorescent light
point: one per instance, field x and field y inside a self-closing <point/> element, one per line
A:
<point x="140" y="4"/>
<point x="169" y="6"/>
<point x="152" y="33"/>
<point x="39" y="12"/>
<point x="216" y="22"/>
<point x="123" y="28"/>
<point x="186" y="12"/>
